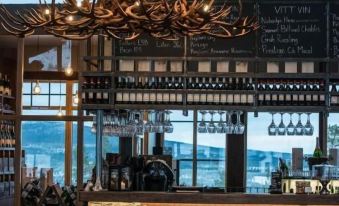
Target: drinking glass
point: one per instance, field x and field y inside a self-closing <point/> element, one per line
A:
<point x="308" y="129"/>
<point x="168" y="127"/>
<point x="211" y="128"/>
<point x="149" y="126"/>
<point x="221" y="125"/>
<point x="229" y="124"/>
<point x="282" y="127"/>
<point x="140" y="124"/>
<point x="202" y="127"/>
<point x="158" y="125"/>
<point x="299" y="128"/>
<point x="272" y="128"/>
<point x="239" y="127"/>
<point x="290" y="129"/>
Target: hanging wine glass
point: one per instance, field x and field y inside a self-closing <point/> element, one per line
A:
<point x="158" y="125"/>
<point x="299" y="128"/>
<point x="308" y="129"/>
<point x="221" y="125"/>
<point x="282" y="127"/>
<point x="168" y="125"/>
<point x="140" y="123"/>
<point x="211" y="128"/>
<point x="229" y="124"/>
<point x="202" y="127"/>
<point x="149" y="126"/>
<point x="272" y="128"/>
<point x="105" y="130"/>
<point x="290" y="129"/>
<point x="239" y="127"/>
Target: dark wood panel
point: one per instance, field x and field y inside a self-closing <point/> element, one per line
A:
<point x="45" y="75"/>
<point x="334" y="30"/>
<point x="208" y="198"/>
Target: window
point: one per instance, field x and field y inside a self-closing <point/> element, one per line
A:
<point x="179" y="144"/>
<point x="44" y="145"/>
<point x="333" y="131"/>
<point x="211" y="154"/>
<point x="264" y="151"/>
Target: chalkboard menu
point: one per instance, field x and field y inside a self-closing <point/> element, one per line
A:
<point x="292" y="30"/>
<point x="334" y="30"/>
<point x="207" y="46"/>
<point x="147" y="46"/>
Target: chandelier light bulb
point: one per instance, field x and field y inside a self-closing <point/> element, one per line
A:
<point x="79" y="3"/>
<point x="69" y="70"/>
<point x="70" y="18"/>
<point x="37" y="88"/>
<point x="47" y="12"/>
<point x="60" y="113"/>
<point x="137" y="3"/>
<point x="206" y="8"/>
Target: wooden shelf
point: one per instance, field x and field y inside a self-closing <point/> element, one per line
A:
<point x="96" y="74"/>
<point x="7" y="149"/>
<point x="290" y="75"/>
<point x="208" y="198"/>
<point x="7" y="111"/>
<point x="6" y="173"/>
<point x="6" y="96"/>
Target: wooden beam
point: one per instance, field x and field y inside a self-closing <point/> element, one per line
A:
<point x="18" y="152"/>
<point x="323" y="124"/>
<point x="68" y="135"/>
<point x="47" y="75"/>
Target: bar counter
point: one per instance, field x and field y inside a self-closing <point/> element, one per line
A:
<point x="177" y="198"/>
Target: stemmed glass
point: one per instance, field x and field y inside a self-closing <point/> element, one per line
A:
<point x="211" y="128"/>
<point x="308" y="128"/>
<point x="202" y="127"/>
<point x="149" y="126"/>
<point x="158" y="125"/>
<point x="290" y="129"/>
<point x="299" y="128"/>
<point x="229" y="129"/>
<point x="168" y="127"/>
<point x="239" y="127"/>
<point x="140" y="123"/>
<point x="272" y="128"/>
<point x="221" y="125"/>
<point x="282" y="127"/>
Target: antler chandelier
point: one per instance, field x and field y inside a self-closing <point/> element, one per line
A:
<point x="127" y="19"/>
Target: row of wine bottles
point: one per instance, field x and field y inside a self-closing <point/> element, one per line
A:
<point x="201" y="83"/>
<point x="96" y="83"/>
<point x="291" y="99"/>
<point x="6" y="185"/>
<point x="7" y="133"/>
<point x="95" y="98"/>
<point x="5" y="85"/>
<point x="290" y="85"/>
<point x="177" y="98"/>
<point x="7" y="161"/>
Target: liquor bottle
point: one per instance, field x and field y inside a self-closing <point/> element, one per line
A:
<point x="92" y="83"/>
<point x="180" y="84"/>
<point x="125" y="97"/>
<point x="216" y="99"/>
<point x="231" y="85"/>
<point x="190" y="84"/>
<point x="107" y="83"/>
<point x="2" y="86"/>
<point x="321" y="85"/>
<point x="84" y="84"/>
<point x="84" y="97"/>
<point x="250" y="86"/>
<point x="261" y="99"/>
<point x="250" y="99"/>
<point x="274" y="100"/>
<point x="274" y="85"/>
<point x="334" y="95"/>
<point x="190" y="99"/>
<point x="317" y="151"/>
<point x="98" y="83"/>
<point x="267" y="100"/>
<point x="140" y="84"/>
<point x="91" y="99"/>
<point x="159" y="98"/>
<point x="203" y="84"/>
<point x="132" y="98"/>
<point x="210" y="99"/>
<point x="261" y="85"/>
<point x="237" y="84"/>
<point x="282" y="86"/>
<point x="105" y="98"/>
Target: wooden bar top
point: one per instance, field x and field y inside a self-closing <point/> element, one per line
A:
<point x="208" y="198"/>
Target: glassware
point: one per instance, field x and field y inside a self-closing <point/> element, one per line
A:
<point x="299" y="128"/>
<point x="211" y="128"/>
<point x="229" y="129"/>
<point x="308" y="128"/>
<point x="221" y="126"/>
<point x="168" y="127"/>
<point x="158" y="124"/>
<point x="202" y="127"/>
<point x="282" y="127"/>
<point x="239" y="127"/>
<point x="149" y="126"/>
<point x="272" y="128"/>
<point x="290" y="129"/>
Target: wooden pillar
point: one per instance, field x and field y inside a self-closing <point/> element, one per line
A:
<point x="195" y="145"/>
<point x="68" y="134"/>
<point x="236" y="160"/>
<point x="18" y="108"/>
<point x="323" y="118"/>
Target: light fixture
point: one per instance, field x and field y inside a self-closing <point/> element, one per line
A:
<point x="69" y="69"/>
<point x="76" y="98"/>
<point x="37" y="88"/>
<point x="126" y="19"/>
<point x="60" y="113"/>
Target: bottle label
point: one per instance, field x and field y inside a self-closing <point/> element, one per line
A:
<point x="190" y="98"/>
<point x="274" y="97"/>
<point x="119" y="97"/>
<point x="166" y="97"/>
<point x="281" y="97"/>
<point x="295" y="97"/>
<point x="301" y="97"/>
<point x="288" y="97"/>
<point x="139" y="97"/>
<point x="152" y="97"/>
<point x="230" y="98"/>
<point x="315" y="98"/>
<point x="243" y="98"/>
<point x="203" y="98"/>
<point x="322" y="98"/>
<point x="159" y="97"/>
<point x="209" y="98"/>
<point x="261" y="97"/>
<point x="308" y="97"/>
<point x="223" y="98"/>
<point x="99" y="96"/>
<point x="90" y="95"/>
<point x="146" y="97"/>
<point x="267" y="97"/>
<point x="179" y="97"/>
<point x="216" y="98"/>
<point x="250" y="98"/>
<point x="132" y="97"/>
<point x="334" y="100"/>
<point x="173" y="98"/>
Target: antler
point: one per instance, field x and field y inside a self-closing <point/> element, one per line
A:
<point x="127" y="19"/>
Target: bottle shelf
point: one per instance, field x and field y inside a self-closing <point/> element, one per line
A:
<point x="4" y="111"/>
<point x="6" y="96"/>
<point x="7" y="149"/>
<point x="7" y="173"/>
<point x="290" y="75"/>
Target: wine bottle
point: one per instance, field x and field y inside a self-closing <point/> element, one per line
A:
<point x="317" y="151"/>
<point x="98" y="83"/>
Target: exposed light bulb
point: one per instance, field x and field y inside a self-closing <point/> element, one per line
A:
<point x="37" y="88"/>
<point x="47" y="12"/>
<point x="206" y="8"/>
<point x="137" y="3"/>
<point x="76" y="98"/>
<point x="70" y="18"/>
<point x="79" y="3"/>
<point x="69" y="70"/>
<point x="60" y="113"/>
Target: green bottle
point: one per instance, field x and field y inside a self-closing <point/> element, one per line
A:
<point x="317" y="151"/>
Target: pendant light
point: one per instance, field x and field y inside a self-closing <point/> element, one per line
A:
<point x="76" y="98"/>
<point x="60" y="113"/>
<point x="37" y="88"/>
<point x="69" y="69"/>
